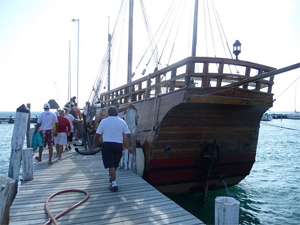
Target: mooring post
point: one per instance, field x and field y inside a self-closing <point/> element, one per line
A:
<point x="6" y="193"/>
<point x="27" y="164"/>
<point x="28" y="127"/>
<point x="17" y="143"/>
<point x="226" y="211"/>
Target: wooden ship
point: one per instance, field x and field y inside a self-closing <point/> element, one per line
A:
<point x="196" y="120"/>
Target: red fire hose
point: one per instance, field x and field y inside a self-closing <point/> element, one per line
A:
<point x="53" y="218"/>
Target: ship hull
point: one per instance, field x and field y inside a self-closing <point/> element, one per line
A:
<point x="186" y="123"/>
<point x="198" y="126"/>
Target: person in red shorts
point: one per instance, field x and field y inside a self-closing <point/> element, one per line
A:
<point x="45" y="124"/>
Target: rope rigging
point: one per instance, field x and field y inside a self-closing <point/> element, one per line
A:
<point x="152" y="41"/>
<point x="176" y="34"/>
<point x="101" y="75"/>
<point x="286" y="89"/>
<point x="211" y="30"/>
<point x="169" y="30"/>
<point x="169" y="33"/>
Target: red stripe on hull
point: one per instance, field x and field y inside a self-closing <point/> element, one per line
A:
<point x="190" y="170"/>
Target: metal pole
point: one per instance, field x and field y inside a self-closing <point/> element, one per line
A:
<point x="77" y="20"/>
<point x="78" y="63"/>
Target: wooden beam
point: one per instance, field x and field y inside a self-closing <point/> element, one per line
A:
<point x="265" y="75"/>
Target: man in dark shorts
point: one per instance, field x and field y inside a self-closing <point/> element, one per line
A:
<point x="112" y="128"/>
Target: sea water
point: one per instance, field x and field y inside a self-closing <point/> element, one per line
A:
<point x="6" y="132"/>
<point x="269" y="195"/>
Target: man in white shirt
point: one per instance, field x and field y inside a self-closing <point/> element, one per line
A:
<point x="112" y="129"/>
<point x="45" y="123"/>
<point x="85" y="109"/>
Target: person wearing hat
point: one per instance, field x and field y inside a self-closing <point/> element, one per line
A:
<point x="45" y="124"/>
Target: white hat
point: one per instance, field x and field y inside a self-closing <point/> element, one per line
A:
<point x="46" y="106"/>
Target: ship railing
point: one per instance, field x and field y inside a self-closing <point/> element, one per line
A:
<point x="192" y="72"/>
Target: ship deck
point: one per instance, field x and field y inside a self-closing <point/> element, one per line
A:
<point x="136" y="202"/>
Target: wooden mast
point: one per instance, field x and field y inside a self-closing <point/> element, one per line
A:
<point x="109" y="60"/>
<point x="69" y="73"/>
<point x="195" y="26"/>
<point x="130" y="41"/>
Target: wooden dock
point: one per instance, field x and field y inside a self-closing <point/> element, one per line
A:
<point x="136" y="202"/>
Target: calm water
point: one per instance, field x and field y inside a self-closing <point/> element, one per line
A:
<point x="269" y="195"/>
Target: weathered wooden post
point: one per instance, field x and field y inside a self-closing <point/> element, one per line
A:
<point x="28" y="127"/>
<point x="27" y="164"/>
<point x="226" y="211"/>
<point x="6" y="193"/>
<point x="17" y="143"/>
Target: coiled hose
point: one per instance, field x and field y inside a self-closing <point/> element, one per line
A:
<point x="53" y="218"/>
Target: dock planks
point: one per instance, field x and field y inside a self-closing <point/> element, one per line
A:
<point x="137" y="202"/>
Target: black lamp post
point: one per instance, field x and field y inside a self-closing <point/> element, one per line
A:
<point x="237" y="48"/>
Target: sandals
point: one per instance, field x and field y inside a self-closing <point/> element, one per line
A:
<point x="38" y="159"/>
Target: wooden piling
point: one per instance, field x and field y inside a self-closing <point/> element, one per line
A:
<point x="6" y="194"/>
<point x="28" y="127"/>
<point x="226" y="211"/>
<point x="17" y="143"/>
<point x="27" y="164"/>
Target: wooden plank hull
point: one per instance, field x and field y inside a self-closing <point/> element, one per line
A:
<point x="198" y="120"/>
<point x="186" y="122"/>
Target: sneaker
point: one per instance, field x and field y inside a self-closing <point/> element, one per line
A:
<point x="113" y="189"/>
<point x="50" y="163"/>
<point x="38" y="159"/>
<point x="69" y="147"/>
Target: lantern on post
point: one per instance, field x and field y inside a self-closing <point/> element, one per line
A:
<point x="237" y="48"/>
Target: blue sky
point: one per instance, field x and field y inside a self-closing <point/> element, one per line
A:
<point x="35" y="35"/>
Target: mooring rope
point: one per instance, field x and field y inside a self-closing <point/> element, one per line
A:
<point x="273" y="125"/>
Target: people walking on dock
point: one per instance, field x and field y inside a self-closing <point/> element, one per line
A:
<point x="75" y="111"/>
<point x="112" y="129"/>
<point x="72" y="121"/>
<point x="45" y="124"/>
<point x="64" y="129"/>
<point x="85" y="110"/>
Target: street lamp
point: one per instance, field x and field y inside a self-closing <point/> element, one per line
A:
<point x="77" y="20"/>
